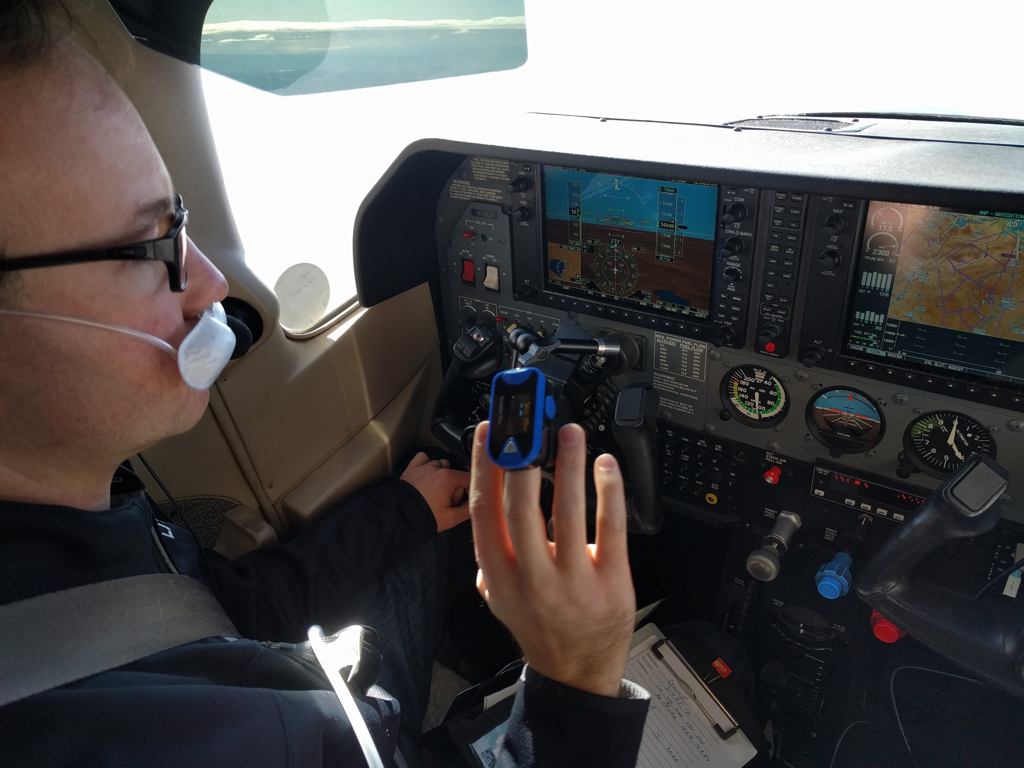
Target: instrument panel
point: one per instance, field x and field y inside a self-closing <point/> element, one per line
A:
<point x="885" y="337"/>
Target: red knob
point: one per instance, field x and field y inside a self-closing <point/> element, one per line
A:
<point x="884" y="629"/>
<point x="772" y="475"/>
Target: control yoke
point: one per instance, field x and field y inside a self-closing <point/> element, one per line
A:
<point x="986" y="639"/>
<point x="586" y="391"/>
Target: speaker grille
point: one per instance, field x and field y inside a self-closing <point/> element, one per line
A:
<point x="205" y="517"/>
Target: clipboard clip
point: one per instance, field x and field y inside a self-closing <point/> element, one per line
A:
<point x="675" y="661"/>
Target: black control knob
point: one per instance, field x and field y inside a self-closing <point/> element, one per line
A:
<point x="731" y="275"/>
<point x="519" y="185"/>
<point x="768" y="334"/>
<point x="468" y="316"/>
<point x="735" y="212"/>
<point x="723" y="336"/>
<point x="522" y="292"/>
<point x="813" y="355"/>
<point x="829" y="260"/>
<point x="834" y="224"/>
<point x="522" y="213"/>
<point x="732" y="247"/>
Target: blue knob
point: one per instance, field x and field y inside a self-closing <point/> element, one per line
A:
<point x="834" y="578"/>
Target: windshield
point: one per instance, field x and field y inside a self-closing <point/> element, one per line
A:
<point x="717" y="62"/>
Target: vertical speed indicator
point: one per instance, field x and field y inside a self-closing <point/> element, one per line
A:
<point x="755" y="396"/>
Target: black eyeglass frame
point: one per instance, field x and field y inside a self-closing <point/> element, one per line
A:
<point x="170" y="249"/>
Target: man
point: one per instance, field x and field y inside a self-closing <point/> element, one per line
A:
<point x="79" y="171"/>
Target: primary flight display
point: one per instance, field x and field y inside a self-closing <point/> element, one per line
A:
<point x="642" y="241"/>
<point x="942" y="287"/>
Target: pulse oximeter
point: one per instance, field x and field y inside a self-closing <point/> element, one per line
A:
<point x="522" y="433"/>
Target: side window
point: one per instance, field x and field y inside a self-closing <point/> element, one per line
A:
<point x="311" y="100"/>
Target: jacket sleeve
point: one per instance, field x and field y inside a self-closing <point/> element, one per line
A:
<point x="278" y="592"/>
<point x="553" y="724"/>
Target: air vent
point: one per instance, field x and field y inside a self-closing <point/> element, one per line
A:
<point x="792" y="124"/>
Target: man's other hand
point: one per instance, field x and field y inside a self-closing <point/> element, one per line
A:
<point x="569" y="604"/>
<point x="443" y="488"/>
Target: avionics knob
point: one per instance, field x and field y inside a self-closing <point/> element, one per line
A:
<point x="724" y="335"/>
<point x="519" y="185"/>
<point x="735" y="212"/>
<point x="834" y="224"/>
<point x="522" y="213"/>
<point x="524" y="291"/>
<point x="812" y="356"/>
<point x="731" y="275"/>
<point x="732" y="246"/>
<point x="829" y="260"/>
<point x="768" y="334"/>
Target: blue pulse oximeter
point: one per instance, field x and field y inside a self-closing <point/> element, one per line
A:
<point x="521" y="415"/>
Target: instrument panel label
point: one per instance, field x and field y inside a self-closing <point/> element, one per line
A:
<point x="677" y="360"/>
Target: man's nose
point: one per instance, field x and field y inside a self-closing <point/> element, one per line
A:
<point x="206" y="283"/>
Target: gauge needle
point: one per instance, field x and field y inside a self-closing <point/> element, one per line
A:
<point x="952" y="437"/>
<point x="757" y="404"/>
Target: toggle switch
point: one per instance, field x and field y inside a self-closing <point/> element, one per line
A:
<point x="468" y="272"/>
<point x="491" y="280"/>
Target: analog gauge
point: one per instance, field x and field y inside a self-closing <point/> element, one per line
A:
<point x="937" y="443"/>
<point x="615" y="271"/>
<point x="755" y="396"/>
<point x="846" y="420"/>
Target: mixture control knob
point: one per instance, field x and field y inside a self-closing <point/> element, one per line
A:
<point x="735" y="212"/>
<point x="763" y="564"/>
<point x="768" y="334"/>
<point x="519" y="185"/>
<point x="834" y="224"/>
<point x="884" y="629"/>
<point x="522" y="213"/>
<point x="723" y="336"/>
<point x="731" y="275"/>
<point x="829" y="260"/>
<point x="813" y="355"/>
<point x="732" y="247"/>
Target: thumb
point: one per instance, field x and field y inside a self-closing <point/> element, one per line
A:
<point x="419" y="460"/>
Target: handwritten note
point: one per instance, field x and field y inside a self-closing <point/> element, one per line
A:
<point x="677" y="733"/>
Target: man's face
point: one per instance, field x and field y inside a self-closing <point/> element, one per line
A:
<point x="78" y="170"/>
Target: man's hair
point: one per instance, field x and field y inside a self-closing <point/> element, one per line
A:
<point x="28" y="29"/>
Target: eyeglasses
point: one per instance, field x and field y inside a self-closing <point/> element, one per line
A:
<point x="170" y="249"/>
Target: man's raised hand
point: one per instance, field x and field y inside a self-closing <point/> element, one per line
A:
<point x="570" y="605"/>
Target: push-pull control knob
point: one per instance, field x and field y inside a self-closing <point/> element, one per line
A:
<point x="834" y="224"/>
<point x="519" y="185"/>
<point x="731" y="275"/>
<point x="763" y="564"/>
<point x="812" y="356"/>
<point x="723" y="336"/>
<point x="732" y="247"/>
<point x="735" y="212"/>
<point x="522" y="213"/>
<point x="768" y="334"/>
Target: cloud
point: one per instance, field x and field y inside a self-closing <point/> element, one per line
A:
<point x="267" y="27"/>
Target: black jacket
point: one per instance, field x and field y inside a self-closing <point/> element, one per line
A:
<point x="244" y="703"/>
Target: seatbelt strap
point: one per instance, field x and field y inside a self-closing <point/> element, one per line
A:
<point x="54" y="639"/>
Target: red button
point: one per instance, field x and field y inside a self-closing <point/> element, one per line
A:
<point x="769" y="347"/>
<point x="884" y="629"/>
<point x="468" y="271"/>
<point x="772" y="476"/>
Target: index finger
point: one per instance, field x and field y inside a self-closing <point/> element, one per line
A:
<point x="494" y="551"/>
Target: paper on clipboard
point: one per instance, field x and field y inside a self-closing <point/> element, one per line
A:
<point x="677" y="733"/>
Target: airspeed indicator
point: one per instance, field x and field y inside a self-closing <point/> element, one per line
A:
<point x="755" y="396"/>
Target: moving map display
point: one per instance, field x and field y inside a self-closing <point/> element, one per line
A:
<point x="942" y="287"/>
<point x="646" y="242"/>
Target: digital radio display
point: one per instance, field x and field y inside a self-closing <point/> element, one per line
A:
<point x="640" y="241"/>
<point x="943" y="288"/>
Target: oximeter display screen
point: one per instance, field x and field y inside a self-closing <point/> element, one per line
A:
<point x="514" y="409"/>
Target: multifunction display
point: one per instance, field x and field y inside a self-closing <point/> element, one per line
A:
<point x="942" y="287"/>
<point x="640" y="241"/>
